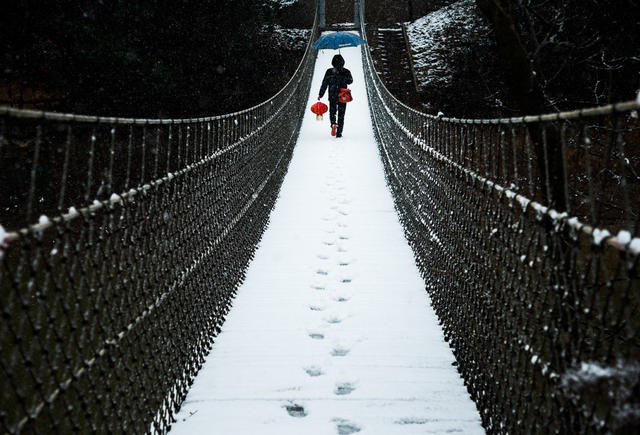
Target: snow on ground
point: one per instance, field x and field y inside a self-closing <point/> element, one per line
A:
<point x="284" y="38"/>
<point x="4" y="244"/>
<point x="280" y="3"/>
<point x="440" y="38"/>
<point x="332" y="331"/>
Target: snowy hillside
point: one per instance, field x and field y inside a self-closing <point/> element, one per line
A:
<point x="443" y="37"/>
<point x="281" y="38"/>
<point x="278" y="4"/>
<point x="452" y="49"/>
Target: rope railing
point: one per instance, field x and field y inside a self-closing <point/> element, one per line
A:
<point x="126" y="241"/>
<point x="536" y="285"/>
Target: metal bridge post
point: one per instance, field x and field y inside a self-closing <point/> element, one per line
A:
<point x="358" y="9"/>
<point x="321" y="13"/>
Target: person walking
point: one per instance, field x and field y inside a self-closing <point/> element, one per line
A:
<point x="334" y="79"/>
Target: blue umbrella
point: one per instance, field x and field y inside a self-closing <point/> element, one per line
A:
<point x="338" y="40"/>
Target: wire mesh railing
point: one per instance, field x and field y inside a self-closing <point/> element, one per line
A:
<point x="144" y="229"/>
<point x="526" y="233"/>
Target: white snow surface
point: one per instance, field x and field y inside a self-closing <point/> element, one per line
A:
<point x="599" y="235"/>
<point x="4" y="244"/>
<point x="333" y="320"/>
<point x="441" y="37"/>
<point x="278" y="4"/>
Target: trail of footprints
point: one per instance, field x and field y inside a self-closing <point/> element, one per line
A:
<point x="336" y="239"/>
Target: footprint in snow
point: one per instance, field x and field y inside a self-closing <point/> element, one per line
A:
<point x="345" y="427"/>
<point x="339" y="351"/>
<point x="316" y="335"/>
<point x="316" y="308"/>
<point x="314" y="371"/>
<point x="333" y="320"/>
<point x="295" y="410"/>
<point x="414" y="420"/>
<point x="322" y="272"/>
<point x="342" y="298"/>
<point x="342" y="225"/>
<point x="318" y="287"/>
<point x="323" y="256"/>
<point x="344" y="388"/>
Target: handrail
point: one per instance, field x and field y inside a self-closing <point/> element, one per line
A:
<point x="127" y="241"/>
<point x="538" y="305"/>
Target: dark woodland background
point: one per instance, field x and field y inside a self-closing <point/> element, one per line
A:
<point x="194" y="58"/>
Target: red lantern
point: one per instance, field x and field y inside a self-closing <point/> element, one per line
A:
<point x="319" y="108"/>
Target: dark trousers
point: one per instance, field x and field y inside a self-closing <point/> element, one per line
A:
<point x="336" y="106"/>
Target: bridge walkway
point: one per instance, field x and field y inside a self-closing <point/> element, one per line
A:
<point x="332" y="330"/>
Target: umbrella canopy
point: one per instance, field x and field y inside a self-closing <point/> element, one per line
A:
<point x="338" y="40"/>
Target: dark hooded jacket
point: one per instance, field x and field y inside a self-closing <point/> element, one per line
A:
<point x="336" y="78"/>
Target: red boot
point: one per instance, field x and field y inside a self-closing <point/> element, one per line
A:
<point x="334" y="129"/>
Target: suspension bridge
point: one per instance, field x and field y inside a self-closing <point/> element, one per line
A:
<point x="134" y="238"/>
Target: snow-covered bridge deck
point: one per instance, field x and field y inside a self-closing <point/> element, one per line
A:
<point x="332" y="331"/>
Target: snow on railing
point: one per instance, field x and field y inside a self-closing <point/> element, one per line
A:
<point x="526" y="231"/>
<point x="124" y="242"/>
